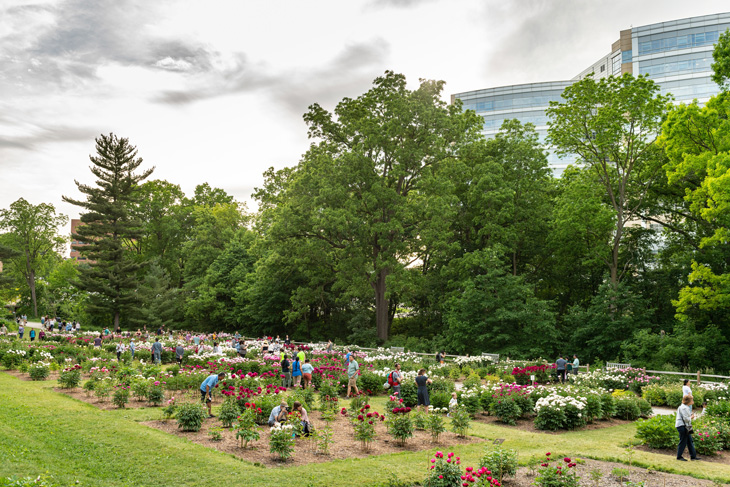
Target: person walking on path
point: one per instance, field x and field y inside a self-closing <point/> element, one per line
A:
<point x="576" y="364"/>
<point x="179" y="353"/>
<point x="307" y="370"/>
<point x="395" y="380"/>
<point x="286" y="372"/>
<point x="683" y="424"/>
<point x="561" y="362"/>
<point x="687" y="391"/>
<point x="329" y="346"/>
<point x="206" y="389"/>
<point x="296" y="371"/>
<point x="32" y="334"/>
<point x="21" y="330"/>
<point x="120" y="350"/>
<point x="352" y="376"/>
<point x="422" y="381"/>
<point x="157" y="351"/>
<point x="131" y="348"/>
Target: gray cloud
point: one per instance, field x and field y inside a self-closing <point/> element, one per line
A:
<point x="351" y="70"/>
<point x="83" y="35"/>
<point x="48" y="133"/>
<point x="397" y="3"/>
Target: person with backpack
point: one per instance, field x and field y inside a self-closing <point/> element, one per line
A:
<point x="394" y="380"/>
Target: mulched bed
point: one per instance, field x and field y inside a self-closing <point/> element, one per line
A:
<point x="529" y="424"/>
<point x="721" y="456"/>
<point x="525" y="477"/>
<point x="26" y="376"/>
<point x="343" y="446"/>
<point x="81" y="395"/>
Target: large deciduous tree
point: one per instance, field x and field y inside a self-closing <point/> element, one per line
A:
<point x="109" y="228"/>
<point x="33" y="235"/>
<point x="370" y="187"/>
<point x="612" y="124"/>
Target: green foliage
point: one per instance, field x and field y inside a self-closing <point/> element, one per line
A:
<point x="39" y="371"/>
<point x="281" y="441"/>
<point x="718" y="409"/>
<point x="550" y="475"/>
<point x="245" y="427"/>
<point x="627" y="408"/>
<point x="190" y="416"/>
<point x="435" y="425"/>
<point x="108" y="224"/>
<point x="721" y="66"/>
<point x="460" y="421"/>
<point x="655" y="394"/>
<point x="155" y="394"/>
<point x="500" y="461"/>
<point x="121" y="396"/>
<point x="69" y="378"/>
<point x="400" y="426"/>
<point x="658" y="432"/>
<point x="229" y="411"/>
<point x="506" y="410"/>
<point x="443" y="473"/>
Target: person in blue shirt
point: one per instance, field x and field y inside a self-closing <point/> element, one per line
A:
<point x="206" y="389"/>
<point x="296" y="371"/>
<point x="278" y="414"/>
<point x="347" y="357"/>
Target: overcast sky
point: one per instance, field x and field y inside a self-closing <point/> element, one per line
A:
<point x="215" y="90"/>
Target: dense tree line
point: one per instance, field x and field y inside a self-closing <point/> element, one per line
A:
<point x="402" y="225"/>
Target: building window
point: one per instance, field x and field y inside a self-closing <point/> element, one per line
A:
<point x="626" y="56"/>
<point x="603" y="68"/>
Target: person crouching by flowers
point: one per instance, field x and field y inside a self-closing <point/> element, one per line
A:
<point x="206" y="389"/>
<point x="297" y="406"/>
<point x="278" y="414"/>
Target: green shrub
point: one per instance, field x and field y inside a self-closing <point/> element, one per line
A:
<point x="644" y="407"/>
<point x="440" y="399"/>
<point x="70" y="378"/>
<point x="707" y="440"/>
<point x="190" y="416"/>
<point x="627" y="408"/>
<point x="658" y="432"/>
<point x="39" y="371"/>
<point x="121" y="396"/>
<point x="608" y="406"/>
<point x="229" y="411"/>
<point x="155" y="394"/>
<point x="551" y="419"/>
<point x="473" y="381"/>
<point x="500" y="461"/>
<point x="409" y="393"/>
<point x="655" y="394"/>
<point x="506" y="410"/>
<point x="460" y="421"/>
<point x="674" y="396"/>
<point x="370" y="383"/>
<point x="443" y="473"/>
<point x="593" y="408"/>
<point x="718" y="409"/>
<point x="102" y="389"/>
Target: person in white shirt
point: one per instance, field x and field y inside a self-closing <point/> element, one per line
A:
<point x="120" y="351"/>
<point x="453" y="404"/>
<point x="686" y="391"/>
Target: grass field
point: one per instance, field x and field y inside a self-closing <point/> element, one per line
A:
<point x="73" y="443"/>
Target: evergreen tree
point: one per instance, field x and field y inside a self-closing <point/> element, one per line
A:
<point x="109" y="227"/>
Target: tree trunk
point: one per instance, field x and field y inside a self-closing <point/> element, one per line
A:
<point x="381" y="305"/>
<point x="31" y="285"/>
<point x="116" y="321"/>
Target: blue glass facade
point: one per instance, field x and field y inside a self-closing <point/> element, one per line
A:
<point x="677" y="55"/>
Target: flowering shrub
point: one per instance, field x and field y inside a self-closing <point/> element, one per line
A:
<point x="560" y="475"/>
<point x="400" y="424"/>
<point x="281" y="441"/>
<point x="506" y="410"/>
<point x="364" y="424"/>
<point x="542" y="373"/>
<point x="708" y="441"/>
<point x="39" y="371"/>
<point x="556" y="412"/>
<point x="156" y="394"/>
<point x="245" y="427"/>
<point x="443" y="472"/>
<point x="500" y="462"/>
<point x="102" y="389"/>
<point x="121" y="395"/>
<point x="169" y="410"/>
<point x="70" y="377"/>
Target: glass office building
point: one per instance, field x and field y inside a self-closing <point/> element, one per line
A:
<point x="677" y="55"/>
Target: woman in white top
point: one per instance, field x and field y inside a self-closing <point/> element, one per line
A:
<point x="686" y="391"/>
<point x="683" y="423"/>
<point x="297" y="406"/>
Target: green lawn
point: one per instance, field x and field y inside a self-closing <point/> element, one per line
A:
<point x="43" y="432"/>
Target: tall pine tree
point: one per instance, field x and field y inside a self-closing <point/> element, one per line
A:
<point x="108" y="227"/>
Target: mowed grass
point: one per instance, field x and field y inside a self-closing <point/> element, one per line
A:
<point x="44" y="432"/>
